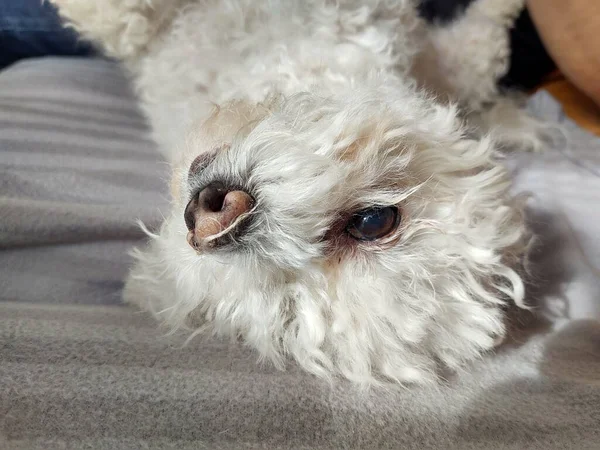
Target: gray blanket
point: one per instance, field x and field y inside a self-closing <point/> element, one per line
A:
<point x="80" y="370"/>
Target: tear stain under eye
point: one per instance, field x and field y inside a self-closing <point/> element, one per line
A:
<point x="338" y="244"/>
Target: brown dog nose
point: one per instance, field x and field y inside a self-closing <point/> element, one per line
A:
<point x="214" y="210"/>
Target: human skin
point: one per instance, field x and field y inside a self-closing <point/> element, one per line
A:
<point x="570" y="31"/>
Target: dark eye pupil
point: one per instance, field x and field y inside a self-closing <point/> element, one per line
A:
<point x="373" y="223"/>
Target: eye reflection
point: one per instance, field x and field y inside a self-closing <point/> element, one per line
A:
<point x="373" y="223"/>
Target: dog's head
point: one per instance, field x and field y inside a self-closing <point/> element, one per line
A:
<point x="363" y="234"/>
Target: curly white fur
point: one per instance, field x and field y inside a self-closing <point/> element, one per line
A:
<point x="322" y="116"/>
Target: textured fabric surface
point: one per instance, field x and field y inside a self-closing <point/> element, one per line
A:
<point x="79" y="370"/>
<point x="77" y="170"/>
<point x="32" y="28"/>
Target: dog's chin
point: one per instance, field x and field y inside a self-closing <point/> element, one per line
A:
<point x="371" y="329"/>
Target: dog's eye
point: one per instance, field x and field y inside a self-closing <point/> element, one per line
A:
<point x="373" y="223"/>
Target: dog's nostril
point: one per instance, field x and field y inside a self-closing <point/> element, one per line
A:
<point x="212" y="198"/>
<point x="214" y="210"/>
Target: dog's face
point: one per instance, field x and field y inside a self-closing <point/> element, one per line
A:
<point x="364" y="235"/>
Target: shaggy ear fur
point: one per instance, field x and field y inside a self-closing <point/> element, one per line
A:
<point x="463" y="62"/>
<point x="464" y="59"/>
<point x="122" y="28"/>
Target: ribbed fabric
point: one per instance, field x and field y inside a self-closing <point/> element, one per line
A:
<point x="77" y="171"/>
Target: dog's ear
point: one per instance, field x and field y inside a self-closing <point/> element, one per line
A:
<point x="123" y="29"/>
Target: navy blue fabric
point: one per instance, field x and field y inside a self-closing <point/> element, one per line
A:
<point x="530" y="62"/>
<point x="32" y="28"/>
<point x="442" y="11"/>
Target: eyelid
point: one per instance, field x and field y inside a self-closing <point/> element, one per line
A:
<point x="361" y="211"/>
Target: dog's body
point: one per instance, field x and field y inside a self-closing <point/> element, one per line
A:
<point x="322" y="142"/>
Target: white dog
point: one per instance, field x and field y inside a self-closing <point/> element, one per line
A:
<point x="328" y="209"/>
